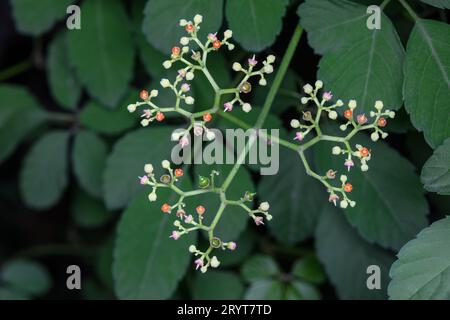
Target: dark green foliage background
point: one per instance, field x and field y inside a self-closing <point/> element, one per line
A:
<point x="70" y="153"/>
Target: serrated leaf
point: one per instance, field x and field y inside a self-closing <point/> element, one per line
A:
<point x="26" y="276"/>
<point x="43" y="177"/>
<point x="422" y="271"/>
<point x="293" y="199"/>
<point x="309" y="269"/>
<point x="62" y="82"/>
<point x="265" y="290"/>
<point x="126" y="162"/>
<point x="89" y="212"/>
<point x="255" y="23"/>
<point x="358" y="63"/>
<point x="106" y="32"/>
<point x="427" y="79"/>
<point x="36" y="17"/>
<point x="259" y="267"/>
<point x="442" y="4"/>
<point x="436" y="171"/>
<point x="147" y="263"/>
<point x="20" y="114"/>
<point x="161" y="22"/>
<point x="390" y="203"/>
<point x="89" y="157"/>
<point x="346" y="256"/>
<point x="217" y="285"/>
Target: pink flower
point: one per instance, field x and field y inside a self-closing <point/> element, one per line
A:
<point x="185" y="87"/>
<point x="227" y="106"/>
<point x="327" y="96"/>
<point x="143" y="179"/>
<point x="231" y="245"/>
<point x="212" y="37"/>
<point x="180" y="213"/>
<point x="361" y="119"/>
<point x="259" y="220"/>
<point x="333" y="198"/>
<point x="184" y="141"/>
<point x="198" y="263"/>
<point x="299" y="136"/>
<point x="182" y="73"/>
<point x="189" y="219"/>
<point x="175" y="235"/>
<point x="146" y="114"/>
<point x="198" y="131"/>
<point x="252" y="61"/>
<point x="349" y="163"/>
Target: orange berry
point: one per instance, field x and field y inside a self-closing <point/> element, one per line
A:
<point x="176" y="51"/>
<point x="179" y="172"/>
<point x="348" y="187"/>
<point x="200" y="210"/>
<point x="382" y="122"/>
<point x="144" y="95"/>
<point x="207" y="117"/>
<point x="189" y="28"/>
<point x="364" y="152"/>
<point x="217" y="44"/>
<point x="165" y="208"/>
<point x="160" y="116"/>
<point x="348" y="114"/>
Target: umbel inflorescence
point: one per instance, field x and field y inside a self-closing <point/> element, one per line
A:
<point x="191" y="61"/>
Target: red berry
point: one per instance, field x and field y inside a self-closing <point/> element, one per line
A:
<point x="348" y="114"/>
<point x="364" y="152"/>
<point x="176" y="51"/>
<point x="382" y="122"/>
<point x="217" y="44"/>
<point x="144" y="95"/>
<point x="189" y="28"/>
<point x="207" y="117"/>
<point x="348" y="187"/>
<point x="160" y="116"/>
<point x="165" y="208"/>
<point x="200" y="210"/>
<point x="179" y="172"/>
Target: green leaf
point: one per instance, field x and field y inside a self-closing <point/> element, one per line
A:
<point x="298" y="290"/>
<point x="390" y="203"/>
<point x="255" y="23"/>
<point x="436" y="171"/>
<point x="43" y="177"/>
<point x="126" y="162"/>
<point x="102" y="51"/>
<point x="147" y="263"/>
<point x="25" y="276"/>
<point x="161" y="22"/>
<point x="427" y="79"/>
<point x="217" y="285"/>
<point x="265" y="290"/>
<point x="104" y="262"/>
<point x="62" y="82"/>
<point x="20" y="114"/>
<point x="259" y="267"/>
<point x="11" y="294"/>
<point x="36" y="17"/>
<point x="293" y="199"/>
<point x="442" y="4"/>
<point x="89" y="157"/>
<point x="358" y="63"/>
<point x="96" y="117"/>
<point x="346" y="257"/>
<point x="89" y="212"/>
<point x="309" y="269"/>
<point x="422" y="271"/>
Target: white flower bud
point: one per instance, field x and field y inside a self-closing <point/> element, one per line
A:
<point x="152" y="197"/>
<point x="184" y="41"/>
<point x="384" y="135"/>
<point x="270" y="58"/>
<point x="246" y="107"/>
<point x="343" y="127"/>
<point x="204" y="269"/>
<point x="145" y="122"/>
<point x="336" y="150"/>
<point x="176" y="223"/>
<point x="148" y="168"/>
<point x="192" y="248"/>
<point x="304" y="100"/>
<point x="343" y="178"/>
<point x="339" y="103"/>
<point x="175" y="136"/>
<point x="319" y="84"/>
<point x="165" y="164"/>
<point x="262" y="82"/>
<point x="189" y="75"/>
<point x="185" y="49"/>
<point x="215" y="262"/>
<point x="268" y="68"/>
<point x="391" y="114"/>
<point x="372" y="114"/>
<point x="344" y="204"/>
<point x="210" y="135"/>
<point x="230" y="46"/>
<point x="352" y="104"/>
<point x="189" y="100"/>
<point x="167" y="64"/>
<point x="352" y="203"/>
<point x="228" y="34"/>
<point x="165" y="83"/>
<point x="183" y="22"/>
<point x="154" y="93"/>
<point x="379" y="105"/>
<point x="364" y="167"/>
<point x="198" y="19"/>
<point x="374" y="136"/>
<point x="268" y="217"/>
<point x="131" y="107"/>
<point x="264" y="206"/>
<point x="308" y="88"/>
<point x="332" y="115"/>
<point x="295" y="123"/>
<point x="237" y="66"/>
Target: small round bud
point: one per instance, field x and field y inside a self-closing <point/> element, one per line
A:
<point x="145" y="122"/>
<point x="175" y="136"/>
<point x="246" y="107"/>
<point x="198" y="19"/>
<point x="215" y="262"/>
<point x="379" y="105"/>
<point x="165" y="83"/>
<point x="184" y="41"/>
<point x="237" y="66"/>
<point x="204" y="269"/>
<point x="339" y="103"/>
<point x="384" y="135"/>
<point x="352" y="104"/>
<point x="230" y="46"/>
<point x="308" y="88"/>
<point x="148" y="168"/>
<point x="152" y="197"/>
<point x="268" y="217"/>
<point x="343" y="127"/>
<point x="231" y="245"/>
<point x="210" y="135"/>
<point x="332" y="115"/>
<point x="391" y="114"/>
<point x="154" y="93"/>
<point x="165" y="164"/>
<point x="183" y="22"/>
<point x="270" y="58"/>
<point x="189" y="100"/>
<point x="176" y="223"/>
<point x="344" y="204"/>
<point x="295" y="123"/>
<point x="228" y="34"/>
<point x="364" y="167"/>
<point x="131" y="107"/>
<point x="304" y="100"/>
<point x="343" y="178"/>
<point x="319" y="84"/>
<point x="189" y="75"/>
<point x="185" y="49"/>
<point x="167" y="64"/>
<point x="374" y="136"/>
<point x="268" y="68"/>
<point x="192" y="248"/>
<point x="336" y="150"/>
<point x="264" y="206"/>
<point x="262" y="82"/>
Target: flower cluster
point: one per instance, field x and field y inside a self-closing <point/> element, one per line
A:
<point x="191" y="61"/>
<point x="355" y="121"/>
<point x="192" y="219"/>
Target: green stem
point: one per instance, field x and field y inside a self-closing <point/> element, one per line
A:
<point x="409" y="9"/>
<point x="15" y="70"/>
